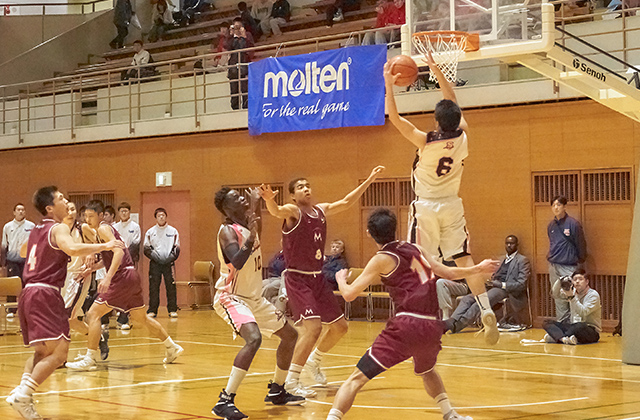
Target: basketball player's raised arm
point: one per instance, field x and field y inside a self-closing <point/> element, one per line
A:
<point x="234" y="253"/>
<point x="406" y="128"/>
<point x="445" y="86"/>
<point x="62" y="236"/>
<point x="288" y="211"/>
<point x="351" y="198"/>
<point x="379" y="264"/>
<point x="487" y="267"/>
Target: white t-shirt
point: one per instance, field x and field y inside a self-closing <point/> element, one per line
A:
<point x="246" y="282"/>
<point x="129" y="232"/>
<point x="14" y="234"/>
<point x="437" y="173"/>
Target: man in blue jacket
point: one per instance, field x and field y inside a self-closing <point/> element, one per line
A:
<point x="567" y="249"/>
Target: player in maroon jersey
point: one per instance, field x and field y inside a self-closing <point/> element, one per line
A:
<point x="304" y="232"/>
<point x="120" y="289"/>
<point x="415" y="330"/>
<point x="43" y="318"/>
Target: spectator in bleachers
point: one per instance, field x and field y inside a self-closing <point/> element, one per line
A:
<point x="334" y="261"/>
<point x="162" y="19"/>
<point x="140" y="58"/>
<point x="261" y="13"/>
<point x="280" y="14"/>
<point x="239" y="39"/>
<point x="509" y="281"/>
<point x="122" y="13"/>
<point x="584" y="324"/>
<point x="248" y="22"/>
<point x="389" y="14"/>
<point x="335" y="12"/>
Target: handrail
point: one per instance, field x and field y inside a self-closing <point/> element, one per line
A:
<point x="600" y="50"/>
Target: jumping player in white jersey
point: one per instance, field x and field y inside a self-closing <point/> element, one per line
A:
<point x="240" y="303"/>
<point x="436" y="216"/>
<point x="415" y="331"/>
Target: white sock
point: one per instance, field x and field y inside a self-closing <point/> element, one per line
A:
<point x="334" y="414"/>
<point x="294" y="373"/>
<point x="168" y="343"/>
<point x="94" y="354"/>
<point x="25" y="377"/>
<point x="316" y="356"/>
<point x="235" y="379"/>
<point x="279" y="376"/>
<point x="28" y="388"/>
<point x="443" y="402"/>
<point x="483" y="302"/>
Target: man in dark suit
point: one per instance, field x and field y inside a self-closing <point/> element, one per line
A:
<point x="509" y="281"/>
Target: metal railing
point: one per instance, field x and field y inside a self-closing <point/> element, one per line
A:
<point x="179" y="89"/>
<point x="43" y="9"/>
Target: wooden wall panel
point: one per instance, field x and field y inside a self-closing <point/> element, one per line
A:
<point x="506" y="145"/>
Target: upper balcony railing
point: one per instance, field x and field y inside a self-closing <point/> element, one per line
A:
<point x="79" y="7"/>
<point x="197" y="87"/>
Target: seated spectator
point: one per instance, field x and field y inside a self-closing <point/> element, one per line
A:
<point x="140" y="58"/>
<point x="274" y="283"/>
<point x="162" y="20"/>
<point x="261" y="13"/>
<point x="218" y="60"/>
<point x="334" y="262"/>
<point x="280" y="14"/>
<point x="335" y="12"/>
<point x="389" y="14"/>
<point x="239" y="39"/>
<point x="447" y="291"/>
<point x="509" y="281"/>
<point x="584" y="323"/>
<point x="248" y="22"/>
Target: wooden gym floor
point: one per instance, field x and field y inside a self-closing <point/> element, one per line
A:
<point x="508" y="381"/>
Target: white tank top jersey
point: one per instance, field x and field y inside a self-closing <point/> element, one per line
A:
<point x="246" y="282"/>
<point x="76" y="264"/>
<point x="437" y="170"/>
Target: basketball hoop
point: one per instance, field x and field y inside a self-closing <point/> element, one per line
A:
<point x="446" y="47"/>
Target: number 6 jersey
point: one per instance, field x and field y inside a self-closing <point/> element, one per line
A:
<point x="437" y="170"/>
<point x="247" y="281"/>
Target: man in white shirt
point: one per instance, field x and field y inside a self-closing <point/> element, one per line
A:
<point x="130" y="233"/>
<point x="162" y="247"/>
<point x="14" y="234"/>
<point x="140" y="60"/>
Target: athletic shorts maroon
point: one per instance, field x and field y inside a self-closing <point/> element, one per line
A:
<point x="124" y="293"/>
<point x="42" y="315"/>
<point x="310" y="296"/>
<point x="407" y="336"/>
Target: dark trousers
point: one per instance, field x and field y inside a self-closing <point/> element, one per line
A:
<point x="237" y="86"/>
<point x="156" y="272"/>
<point x="14" y="268"/>
<point x="118" y="41"/>
<point x="585" y="333"/>
<point x="345" y="6"/>
<point x="468" y="310"/>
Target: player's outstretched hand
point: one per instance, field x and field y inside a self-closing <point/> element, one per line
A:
<point x="266" y="192"/>
<point x="376" y="171"/>
<point x="341" y="277"/>
<point x="430" y="61"/>
<point x="389" y="78"/>
<point x="253" y="194"/>
<point x="489" y="266"/>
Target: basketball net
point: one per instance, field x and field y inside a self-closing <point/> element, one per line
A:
<point x="446" y="49"/>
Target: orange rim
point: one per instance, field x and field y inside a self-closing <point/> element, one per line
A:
<point x="473" y="40"/>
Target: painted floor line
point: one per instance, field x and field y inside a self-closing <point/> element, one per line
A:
<point x="477" y="407"/>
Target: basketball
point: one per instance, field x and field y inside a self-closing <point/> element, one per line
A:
<point x="406" y="67"/>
